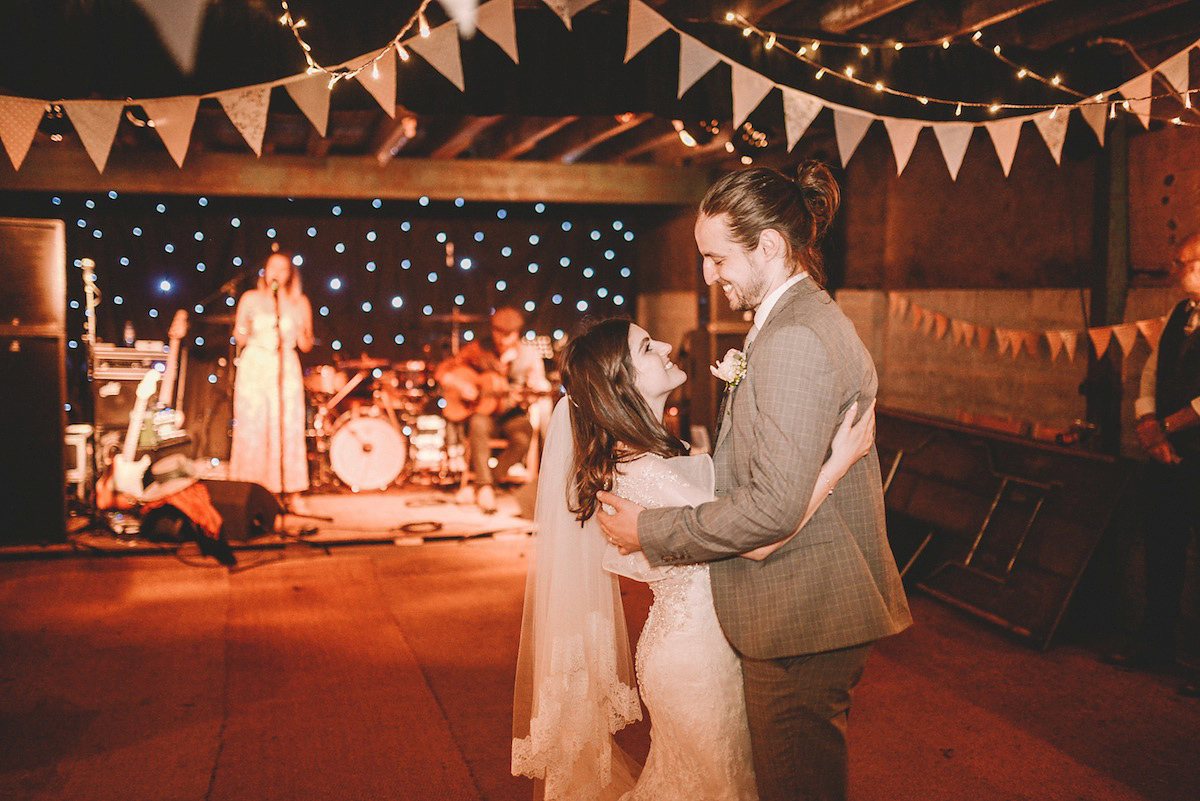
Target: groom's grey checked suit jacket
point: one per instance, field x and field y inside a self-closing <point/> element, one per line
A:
<point x="835" y="584"/>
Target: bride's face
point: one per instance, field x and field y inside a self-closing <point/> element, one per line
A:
<point x="656" y="374"/>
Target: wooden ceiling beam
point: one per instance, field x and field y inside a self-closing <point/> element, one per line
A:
<point x="1075" y="20"/>
<point x="594" y="131"/>
<point x="468" y="131"/>
<point x="393" y="134"/>
<point x="54" y="169"/>
<point x="528" y="133"/>
<point x="844" y="17"/>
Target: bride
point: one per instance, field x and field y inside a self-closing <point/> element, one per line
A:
<point x="575" y="683"/>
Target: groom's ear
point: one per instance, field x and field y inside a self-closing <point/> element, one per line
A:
<point x="771" y="244"/>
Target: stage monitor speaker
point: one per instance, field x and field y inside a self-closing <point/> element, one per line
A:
<point x="248" y="509"/>
<point x="33" y="363"/>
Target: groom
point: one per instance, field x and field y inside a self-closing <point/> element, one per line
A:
<point x="804" y="619"/>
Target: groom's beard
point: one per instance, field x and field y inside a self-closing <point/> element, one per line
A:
<point x="748" y="297"/>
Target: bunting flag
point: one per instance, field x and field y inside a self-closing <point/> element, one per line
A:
<point x="1096" y="116"/>
<point x="173" y="120"/>
<point x="96" y="123"/>
<point x="1175" y="70"/>
<point x="695" y="60"/>
<point x="1070" y="341"/>
<point x="893" y="303"/>
<point x="918" y="316"/>
<point x="927" y="322"/>
<point x="749" y="89"/>
<point x="903" y="135"/>
<point x="19" y="121"/>
<point x="178" y="23"/>
<point x="497" y="21"/>
<point x="1053" y="127"/>
<point x="956" y="331"/>
<point x="968" y="330"/>
<point x="1126" y="335"/>
<point x="1138" y="87"/>
<point x="940" y="321"/>
<point x="902" y="306"/>
<point x="953" y="138"/>
<point x="1055" y="341"/>
<point x="645" y="25"/>
<point x="1003" y="341"/>
<point x="440" y="49"/>
<point x="982" y="334"/>
<point x="1152" y="329"/>
<point x="463" y="12"/>
<point x="247" y="110"/>
<point x="799" y="110"/>
<point x="1031" y="342"/>
<point x="311" y="94"/>
<point x="1100" y="338"/>
<point x="561" y="9"/>
<point x="850" y="126"/>
<point x="1005" y="135"/>
<point x="379" y="76"/>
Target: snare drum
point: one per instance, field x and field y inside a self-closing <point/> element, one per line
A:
<point x="365" y="449"/>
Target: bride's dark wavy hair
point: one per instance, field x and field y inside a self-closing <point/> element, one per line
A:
<point x="610" y="420"/>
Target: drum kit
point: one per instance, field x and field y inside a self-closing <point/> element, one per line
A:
<point x="373" y="423"/>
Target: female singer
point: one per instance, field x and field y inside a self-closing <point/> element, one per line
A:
<point x="273" y="320"/>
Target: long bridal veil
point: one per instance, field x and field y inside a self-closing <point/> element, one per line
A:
<point x="575" y="683"/>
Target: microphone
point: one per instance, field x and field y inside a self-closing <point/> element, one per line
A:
<point x="275" y="287"/>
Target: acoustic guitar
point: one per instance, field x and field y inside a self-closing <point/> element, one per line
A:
<point x="494" y="393"/>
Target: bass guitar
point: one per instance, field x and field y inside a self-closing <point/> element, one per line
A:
<point x="125" y="476"/>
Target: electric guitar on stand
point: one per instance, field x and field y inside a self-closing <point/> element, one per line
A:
<point x="165" y="424"/>
<point x="125" y="475"/>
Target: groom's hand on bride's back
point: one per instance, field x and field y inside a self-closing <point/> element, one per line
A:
<point x="621" y="526"/>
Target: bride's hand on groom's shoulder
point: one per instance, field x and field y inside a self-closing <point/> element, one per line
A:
<point x="621" y="526"/>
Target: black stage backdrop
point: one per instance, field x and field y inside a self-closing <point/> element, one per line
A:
<point x="378" y="272"/>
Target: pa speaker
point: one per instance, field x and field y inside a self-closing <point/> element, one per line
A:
<point x="248" y="509"/>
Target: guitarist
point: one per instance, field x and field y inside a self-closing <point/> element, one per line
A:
<point x="479" y="386"/>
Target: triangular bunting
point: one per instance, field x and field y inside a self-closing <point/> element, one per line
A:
<point x="956" y="331"/>
<point x="850" y="127"/>
<point x="918" y="316"/>
<point x="311" y="94"/>
<point x="1126" y="335"/>
<point x="903" y="135"/>
<point x="96" y="123"/>
<point x="561" y="9"/>
<point x="440" y="49"/>
<point x="645" y="25"/>
<point x="1137" y="94"/>
<point x="1005" y="135"/>
<point x="1017" y="341"/>
<point x="695" y="59"/>
<point x="799" y="110"/>
<point x="1053" y="127"/>
<point x="1096" y="116"/>
<point x="247" y="110"/>
<point x="968" y="330"/>
<point x="1152" y="330"/>
<point x="1055" y="341"/>
<point x="173" y="119"/>
<point x="953" y="138"/>
<point x="940" y="321"/>
<point x="1031" y="341"/>
<point x="893" y="303"/>
<point x="463" y="12"/>
<point x="927" y="323"/>
<point x="1070" y="340"/>
<point x="1003" y="340"/>
<point x="19" y="120"/>
<point x="1175" y="70"/>
<point x="178" y="23"/>
<point x="497" y="21"/>
<point x="378" y="76"/>
<point x="1100" y="338"/>
<point x="902" y="305"/>
<point x="749" y="89"/>
<point x="982" y="333"/>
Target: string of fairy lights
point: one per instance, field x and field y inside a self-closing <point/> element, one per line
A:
<point x="806" y="50"/>
<point x="341" y="73"/>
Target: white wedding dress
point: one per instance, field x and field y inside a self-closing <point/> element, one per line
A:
<point x="689" y="677"/>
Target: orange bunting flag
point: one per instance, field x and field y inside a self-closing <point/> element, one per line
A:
<point x="940" y="321"/>
<point x="1003" y="340"/>
<point x="918" y="316"/>
<point x="1031" y="341"/>
<point x="968" y="330"/>
<point x="1070" y="342"/>
<point x="1055" y="341"/>
<point x="982" y="334"/>
<point x="1152" y="329"/>
<point x="1126" y="335"/>
<point x="1100" y="339"/>
<point x="927" y="323"/>
<point x="956" y="331"/>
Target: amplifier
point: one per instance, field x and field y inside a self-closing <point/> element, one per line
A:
<point x="117" y="363"/>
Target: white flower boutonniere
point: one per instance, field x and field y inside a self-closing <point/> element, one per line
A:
<point x="731" y="369"/>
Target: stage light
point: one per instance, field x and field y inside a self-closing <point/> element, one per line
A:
<point x="154" y="312"/>
<point x="370" y="266"/>
<point x="336" y="344"/>
<point x="588" y="272"/>
<point x="200" y="267"/>
<point x="112" y="194"/>
<point x="539" y="207"/>
<point x="530" y="305"/>
<point x="441" y="237"/>
<point x="533" y="267"/>
<point x="164" y="286"/>
<point x="124" y="260"/>
<point x="397" y="302"/>
<point x="406" y="264"/>
<point x="618" y="225"/>
<point x="427" y="310"/>
<point x="81" y="223"/>
<point x="432" y="278"/>
<point x="506" y="251"/>
<point x="161" y="208"/>
<point x="229" y="301"/>
<point x="466" y="264"/>
<point x="323" y="311"/>
<point x="618" y="300"/>
<point x="96" y="234"/>
<point x="203" y="201"/>
<point x="270" y="233"/>
<point x="235" y="222"/>
<point x="199" y="341"/>
<point x="91" y="204"/>
<point x="336" y="211"/>
<point x="458" y="201"/>
<point x="602" y="292"/>
<point x="237" y="261"/>
<point x="566" y="225"/>
<point x="371" y="236"/>
<point x="534" y="239"/>
<point x="406" y="226"/>
<point x="582" y="305"/>
<point x="564" y="262"/>
<point x="367" y="340"/>
<point x="398" y="339"/>
<point x="340" y="247"/>
<point x="479" y="236"/>
<point x="626" y="272"/>
<point x="459" y="300"/>
<point x="377" y="203"/>
<point x="57" y="201"/>
<point x="366" y="306"/>
<point x="118" y="300"/>
<point x="595" y="236"/>
<point x="198" y="309"/>
<point x="169" y="248"/>
<point x="501" y="214"/>
<point x="423" y="200"/>
<point x="137" y="231"/>
<point x="335" y="284"/>
<point x="198" y="236"/>
<point x="501" y="286"/>
<point x="610" y="254"/>
<point x="312" y="231"/>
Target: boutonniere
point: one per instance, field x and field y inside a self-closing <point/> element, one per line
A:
<point x="731" y="369"/>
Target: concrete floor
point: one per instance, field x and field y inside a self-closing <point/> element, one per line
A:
<point x="384" y="672"/>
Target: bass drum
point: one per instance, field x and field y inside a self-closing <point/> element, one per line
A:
<point x="365" y="450"/>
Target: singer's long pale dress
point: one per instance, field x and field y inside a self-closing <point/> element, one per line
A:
<point x="257" y="407"/>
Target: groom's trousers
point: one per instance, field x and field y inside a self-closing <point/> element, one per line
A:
<point x="798" y="708"/>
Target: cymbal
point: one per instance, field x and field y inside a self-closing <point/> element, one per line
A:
<point x="365" y="363"/>
<point x="455" y="317"/>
